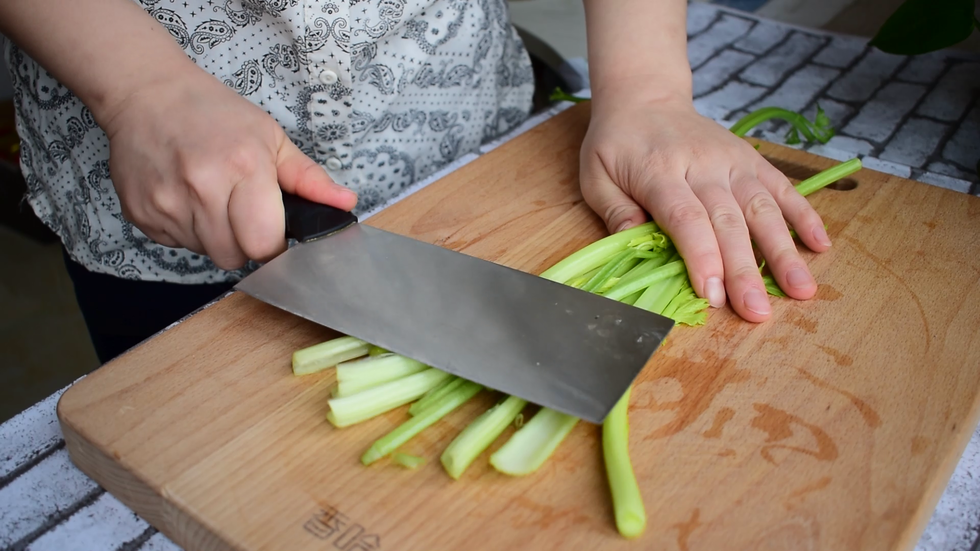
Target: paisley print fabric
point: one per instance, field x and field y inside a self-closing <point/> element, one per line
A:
<point x="381" y="93"/>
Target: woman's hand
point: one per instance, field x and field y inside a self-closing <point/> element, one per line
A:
<point x="708" y="189"/>
<point x="197" y="166"/>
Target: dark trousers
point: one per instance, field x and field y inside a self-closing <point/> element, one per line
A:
<point x="121" y="313"/>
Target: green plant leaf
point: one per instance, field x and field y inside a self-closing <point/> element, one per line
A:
<point x="792" y="137"/>
<point x="921" y="26"/>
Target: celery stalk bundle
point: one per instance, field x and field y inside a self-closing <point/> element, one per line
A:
<point x="639" y="266"/>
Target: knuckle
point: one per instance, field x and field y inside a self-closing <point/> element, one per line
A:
<point x="685" y="214"/>
<point x="726" y="217"/>
<point x="761" y="206"/>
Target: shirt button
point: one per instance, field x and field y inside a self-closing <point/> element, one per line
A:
<point x="333" y="163"/>
<point x="328" y="77"/>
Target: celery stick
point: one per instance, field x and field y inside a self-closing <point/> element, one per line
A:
<point x="437" y="388"/>
<point x="644" y="267"/>
<point x="685" y="294"/>
<point x="359" y="375"/>
<point x="374" y="401"/>
<point x="606" y="272"/>
<point x="631" y="300"/>
<point x="657" y="296"/>
<point x="328" y="354"/>
<point x="478" y="435"/>
<point x="827" y="177"/>
<point x="631" y="517"/>
<point x="534" y="443"/>
<point x="436" y="395"/>
<point x="406" y="460"/>
<point x="596" y="254"/>
<point x="693" y="312"/>
<point x="404" y="432"/>
<point x="621" y="290"/>
<point x="377" y="351"/>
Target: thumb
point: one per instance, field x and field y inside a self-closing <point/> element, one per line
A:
<point x="616" y="208"/>
<point x="300" y="175"/>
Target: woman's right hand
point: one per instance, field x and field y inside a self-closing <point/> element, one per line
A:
<point x="197" y="166"/>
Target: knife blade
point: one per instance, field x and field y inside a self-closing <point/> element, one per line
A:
<point x="551" y="344"/>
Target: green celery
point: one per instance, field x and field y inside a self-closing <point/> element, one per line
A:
<point x="643" y="268"/>
<point x="328" y="354"/>
<point x="359" y="375"/>
<point x="827" y="177"/>
<point x="631" y="300"/>
<point x="596" y="254"/>
<point x="623" y="290"/>
<point x="436" y="395"/>
<point x="657" y="296"/>
<point x="534" y="443"/>
<point x="631" y="517"/>
<point x="686" y="294"/>
<point x="614" y="264"/>
<point x="478" y="435"/>
<point x="693" y="312"/>
<point x="377" y="351"/>
<point x="819" y="130"/>
<point x="374" y="401"/>
<point x="404" y="432"/>
<point x="406" y="460"/>
<point x="772" y="287"/>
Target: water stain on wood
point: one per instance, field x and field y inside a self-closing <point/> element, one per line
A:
<point x="839" y="357"/>
<point x="798" y="319"/>
<point x="543" y="516"/>
<point x="827" y="292"/>
<point x="684" y="529"/>
<point x="700" y="382"/>
<point x="778" y="425"/>
<point x="929" y="224"/>
<point x="871" y="417"/>
<point x="727" y="452"/>
<point x="812" y="487"/>
<point x="723" y="416"/>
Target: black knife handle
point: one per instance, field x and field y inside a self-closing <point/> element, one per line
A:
<point x="307" y="220"/>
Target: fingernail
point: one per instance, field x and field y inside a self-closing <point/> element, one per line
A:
<point x="714" y="291"/>
<point x="821" y="237"/>
<point x="624" y="226"/>
<point x="757" y="301"/>
<point x="797" y="277"/>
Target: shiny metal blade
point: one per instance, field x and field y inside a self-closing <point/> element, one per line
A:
<point x="550" y="344"/>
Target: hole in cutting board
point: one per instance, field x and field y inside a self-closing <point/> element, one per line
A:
<point x="843" y="185"/>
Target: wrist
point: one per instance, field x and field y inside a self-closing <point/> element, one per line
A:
<point x="142" y="85"/>
<point x="642" y="91"/>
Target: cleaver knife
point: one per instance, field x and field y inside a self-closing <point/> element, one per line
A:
<point x="550" y="344"/>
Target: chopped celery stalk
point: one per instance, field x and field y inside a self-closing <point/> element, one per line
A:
<point x="657" y="296"/>
<point x="534" y="443"/>
<point x="685" y="294"/>
<point x="772" y="287"/>
<point x="359" y="375"/>
<point x="631" y="300"/>
<point x="377" y="351"/>
<point x="623" y="290"/>
<point x="606" y="272"/>
<point x="631" y="516"/>
<point x="435" y="389"/>
<point x="596" y="254"/>
<point x="693" y="312"/>
<point x="328" y="354"/>
<point x="374" y="401"/>
<point x="827" y="177"/>
<point x="478" y="435"/>
<point x="404" y="432"/>
<point x="643" y="268"/>
<point x="437" y="394"/>
<point x="406" y="460"/>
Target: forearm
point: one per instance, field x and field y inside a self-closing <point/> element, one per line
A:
<point x="638" y="47"/>
<point x="103" y="50"/>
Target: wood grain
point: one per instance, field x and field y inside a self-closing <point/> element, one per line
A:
<point x="833" y="426"/>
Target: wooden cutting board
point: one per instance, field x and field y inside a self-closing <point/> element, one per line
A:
<point x="834" y="426"/>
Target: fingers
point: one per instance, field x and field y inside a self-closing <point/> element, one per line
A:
<point x="683" y="216"/>
<point x="795" y="208"/>
<point x="300" y="175"/>
<point x="256" y="216"/>
<point x="617" y="209"/>
<point x="746" y="291"/>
